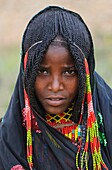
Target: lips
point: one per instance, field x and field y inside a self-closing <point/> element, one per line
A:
<point x="55" y="100"/>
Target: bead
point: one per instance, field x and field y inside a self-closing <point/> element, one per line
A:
<point x="70" y="135"/>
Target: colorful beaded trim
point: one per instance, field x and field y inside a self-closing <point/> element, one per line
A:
<point x="103" y="140"/>
<point x="64" y="117"/>
<point x="70" y="130"/>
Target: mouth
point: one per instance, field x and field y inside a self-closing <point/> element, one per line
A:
<point x="55" y="100"/>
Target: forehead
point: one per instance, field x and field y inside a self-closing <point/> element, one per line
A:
<point x="57" y="55"/>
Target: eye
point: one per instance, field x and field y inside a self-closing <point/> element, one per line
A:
<point x="70" y="72"/>
<point x="42" y="72"/>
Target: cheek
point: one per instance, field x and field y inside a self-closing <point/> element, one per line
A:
<point x="73" y="87"/>
<point x="39" y="87"/>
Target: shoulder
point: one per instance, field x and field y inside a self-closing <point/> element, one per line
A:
<point x="102" y="87"/>
<point x="102" y="97"/>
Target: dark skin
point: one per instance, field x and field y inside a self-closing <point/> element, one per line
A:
<point x="56" y="85"/>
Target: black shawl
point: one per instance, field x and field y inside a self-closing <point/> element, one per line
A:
<point x="52" y="150"/>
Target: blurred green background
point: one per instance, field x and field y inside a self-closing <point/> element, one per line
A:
<point x="14" y="16"/>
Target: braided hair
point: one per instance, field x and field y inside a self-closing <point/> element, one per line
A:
<point x="44" y="27"/>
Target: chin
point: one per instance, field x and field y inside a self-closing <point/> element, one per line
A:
<point x="55" y="111"/>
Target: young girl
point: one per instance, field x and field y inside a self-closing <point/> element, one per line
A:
<point x="60" y="114"/>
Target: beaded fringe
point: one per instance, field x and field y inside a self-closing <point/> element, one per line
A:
<point x="28" y="122"/>
<point x="92" y="135"/>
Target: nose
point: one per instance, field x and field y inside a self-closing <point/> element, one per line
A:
<point x="56" y="84"/>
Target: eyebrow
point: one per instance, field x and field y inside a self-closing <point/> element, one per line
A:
<point x="70" y="67"/>
<point x="46" y="66"/>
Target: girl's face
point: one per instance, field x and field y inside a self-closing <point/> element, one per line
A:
<point x="56" y="85"/>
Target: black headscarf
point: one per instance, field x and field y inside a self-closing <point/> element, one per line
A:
<point x="52" y="150"/>
<point x="45" y="26"/>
